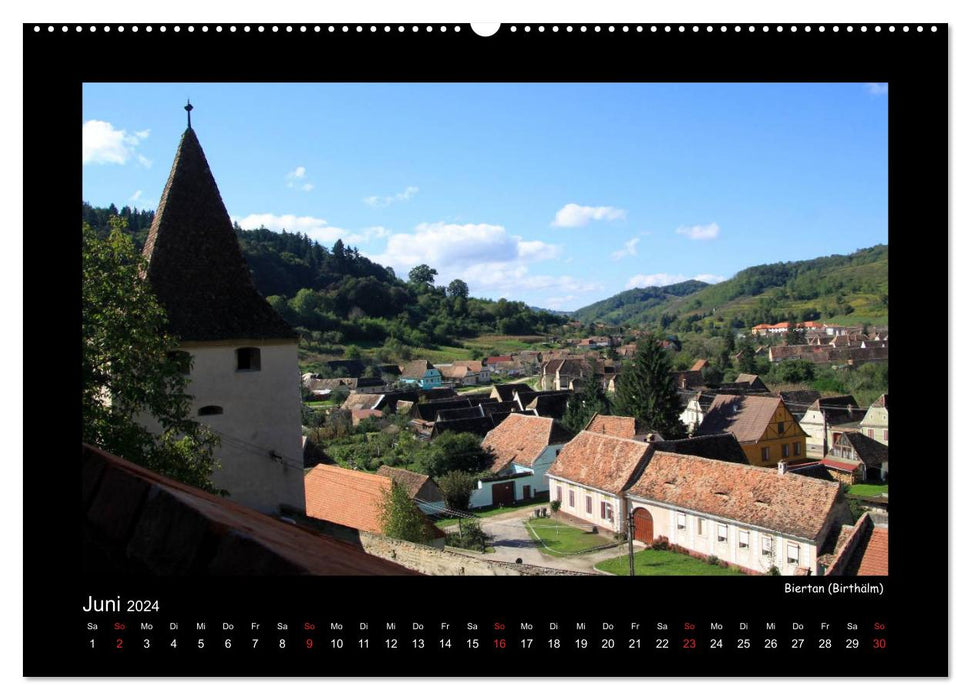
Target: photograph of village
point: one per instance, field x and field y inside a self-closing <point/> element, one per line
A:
<point x="485" y="330"/>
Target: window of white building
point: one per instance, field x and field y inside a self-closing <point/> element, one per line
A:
<point x="743" y="539"/>
<point x="792" y="553"/>
<point x="723" y="533"/>
<point x="681" y="521"/>
<point x="248" y="359"/>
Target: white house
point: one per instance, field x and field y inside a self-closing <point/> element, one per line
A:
<point x="244" y="378"/>
<point x="591" y="474"/>
<point x="876" y="422"/>
<point x="822" y="416"/>
<point x="525" y="447"/>
<point x="752" y="517"/>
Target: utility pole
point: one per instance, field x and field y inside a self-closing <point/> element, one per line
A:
<point x="630" y="540"/>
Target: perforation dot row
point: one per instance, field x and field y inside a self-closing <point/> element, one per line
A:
<point x="681" y="28"/>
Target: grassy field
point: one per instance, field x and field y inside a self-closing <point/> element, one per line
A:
<point x="651" y="562"/>
<point x="486" y="512"/>
<point x="868" y="489"/>
<point x="561" y="540"/>
<point x="468" y="349"/>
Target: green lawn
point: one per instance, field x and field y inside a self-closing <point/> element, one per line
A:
<point x="868" y="490"/>
<point x="651" y="562"/>
<point x="561" y="540"/>
<point x="486" y="512"/>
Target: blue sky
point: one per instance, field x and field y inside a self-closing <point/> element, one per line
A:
<point x="555" y="194"/>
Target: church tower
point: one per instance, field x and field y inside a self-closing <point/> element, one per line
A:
<point x="244" y="380"/>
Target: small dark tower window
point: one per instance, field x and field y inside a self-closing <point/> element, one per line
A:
<point x="211" y="411"/>
<point x="248" y="359"/>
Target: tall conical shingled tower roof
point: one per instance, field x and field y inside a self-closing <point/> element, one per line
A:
<point x="195" y="265"/>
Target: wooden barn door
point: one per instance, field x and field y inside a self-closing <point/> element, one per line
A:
<point x="643" y="526"/>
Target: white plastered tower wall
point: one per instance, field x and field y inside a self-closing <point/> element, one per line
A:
<point x="259" y="427"/>
<point x="200" y="277"/>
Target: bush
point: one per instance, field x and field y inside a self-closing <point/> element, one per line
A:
<point x="713" y="560"/>
<point x="660" y="543"/>
<point x="469" y="536"/>
<point x="555" y="506"/>
<point x="773" y="571"/>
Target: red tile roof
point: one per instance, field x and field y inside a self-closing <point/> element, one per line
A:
<point x="411" y="482"/>
<point x="601" y="461"/>
<point x="618" y="426"/>
<point x="497" y="359"/>
<point x="862" y="550"/>
<point x="788" y="503"/>
<point x="521" y="438"/>
<point x="875" y="560"/>
<point x="346" y="497"/>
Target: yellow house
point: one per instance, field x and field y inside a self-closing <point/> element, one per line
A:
<point x="763" y="426"/>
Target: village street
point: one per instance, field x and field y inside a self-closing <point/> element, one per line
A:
<point x="511" y="541"/>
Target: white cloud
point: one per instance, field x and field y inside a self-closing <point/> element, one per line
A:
<point x="574" y="215"/>
<point x="662" y="279"/>
<point x="315" y="228"/>
<point x="492" y="262"/>
<point x="102" y="144"/>
<point x="559" y="303"/>
<point x="295" y="179"/>
<point x="699" y="232"/>
<point x="139" y="201"/>
<point x="877" y="88"/>
<point x="630" y="248"/>
<point x="379" y="202"/>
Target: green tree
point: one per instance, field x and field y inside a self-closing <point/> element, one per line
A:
<point x="645" y="390"/>
<point x="458" y="288"/>
<point x="457" y="488"/>
<point x="400" y="517"/>
<point x="454" y="452"/>
<point x="422" y="276"/>
<point x="131" y="370"/>
<point x="586" y="402"/>
<point x="746" y="358"/>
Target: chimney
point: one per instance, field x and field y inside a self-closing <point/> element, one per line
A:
<point x="782" y="467"/>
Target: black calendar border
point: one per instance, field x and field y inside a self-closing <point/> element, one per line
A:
<point x="56" y="63"/>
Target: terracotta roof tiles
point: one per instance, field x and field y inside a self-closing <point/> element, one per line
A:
<point x="745" y="417"/>
<point x="346" y="497"/>
<point x="601" y="461"/>
<point x="787" y="503"/>
<point x="521" y="438"/>
<point x="618" y="426"/>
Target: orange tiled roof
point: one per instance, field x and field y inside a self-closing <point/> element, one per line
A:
<point x="787" y="503"/>
<point x="474" y="365"/>
<point x="346" y="497"/>
<point x="618" y="426"/>
<point x="875" y="560"/>
<point x="602" y="461"/>
<point x="521" y="438"/>
<point x="411" y="482"/>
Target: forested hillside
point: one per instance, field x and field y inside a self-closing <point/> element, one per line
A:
<point x="338" y="296"/>
<point x="850" y="288"/>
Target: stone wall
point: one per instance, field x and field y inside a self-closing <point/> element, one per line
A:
<point x="437" y="562"/>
